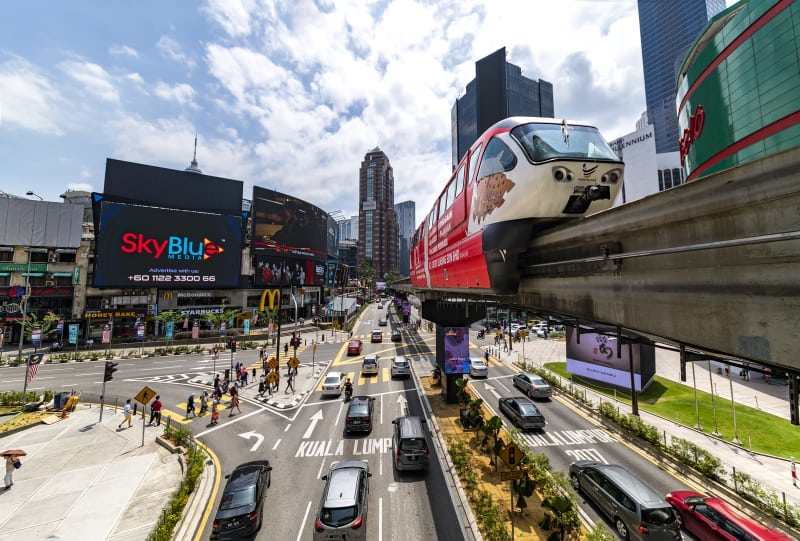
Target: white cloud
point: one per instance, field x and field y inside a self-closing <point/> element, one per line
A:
<point x="181" y="93"/>
<point x="29" y="99"/>
<point x="123" y="50"/>
<point x="93" y="78"/>
<point x="171" y="49"/>
<point x="232" y="15"/>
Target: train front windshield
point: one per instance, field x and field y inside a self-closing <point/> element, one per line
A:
<point x="544" y="142"/>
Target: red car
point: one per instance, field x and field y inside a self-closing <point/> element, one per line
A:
<point x="354" y="347"/>
<point x="710" y="519"/>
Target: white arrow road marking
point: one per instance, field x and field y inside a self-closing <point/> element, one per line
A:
<point x="403" y="405"/>
<point x="253" y="434"/>
<point x="491" y="390"/>
<point x="314" y="419"/>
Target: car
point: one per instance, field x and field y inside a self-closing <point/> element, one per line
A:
<point x="240" y="511"/>
<point x="354" y="347"/>
<point x="409" y="446"/>
<point x="370" y="364"/>
<point x="532" y="385"/>
<point x="377" y="336"/>
<point x="333" y="384"/>
<point x="522" y="412"/>
<point x="397" y="336"/>
<point x="400" y="367"/>
<point x="706" y="517"/>
<point x="359" y="414"/>
<point x="636" y="511"/>
<point x="478" y="368"/>
<point x="343" y="509"/>
<point x="382" y="322"/>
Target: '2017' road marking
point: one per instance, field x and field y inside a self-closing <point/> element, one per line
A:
<point x="331" y="448"/>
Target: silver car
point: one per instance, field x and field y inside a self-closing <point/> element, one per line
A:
<point x="343" y="509"/>
<point x="400" y="367"/>
<point x="478" y="368"/>
<point x="333" y="384"/>
<point x="532" y="385"/>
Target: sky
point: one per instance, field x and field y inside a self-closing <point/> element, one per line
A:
<point x="288" y="94"/>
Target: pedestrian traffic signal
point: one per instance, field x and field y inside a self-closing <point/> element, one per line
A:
<point x="109" y="371"/>
<point x="296" y="342"/>
<point x="233" y="346"/>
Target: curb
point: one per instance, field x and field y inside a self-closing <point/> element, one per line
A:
<point x="187" y="526"/>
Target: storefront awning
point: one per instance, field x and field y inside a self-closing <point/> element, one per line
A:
<point x="62" y="274"/>
<point x="5" y="274"/>
<point x="33" y="274"/>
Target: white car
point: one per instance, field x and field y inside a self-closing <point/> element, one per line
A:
<point x="400" y="367"/>
<point x="370" y="364"/>
<point x="478" y="368"/>
<point x="333" y="384"/>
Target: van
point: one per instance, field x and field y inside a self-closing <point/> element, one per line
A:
<point x="636" y="511"/>
<point x="409" y="445"/>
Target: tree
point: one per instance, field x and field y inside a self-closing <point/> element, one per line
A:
<point x="169" y="316"/>
<point x="366" y="274"/>
<point x="556" y="518"/>
<point x="47" y="324"/>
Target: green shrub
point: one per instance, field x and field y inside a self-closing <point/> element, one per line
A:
<point x="172" y="513"/>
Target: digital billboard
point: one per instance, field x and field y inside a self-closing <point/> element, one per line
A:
<point x="456" y="350"/>
<point x="289" y="267"/>
<point x="282" y="221"/>
<point x="139" y="246"/>
<point x="596" y="358"/>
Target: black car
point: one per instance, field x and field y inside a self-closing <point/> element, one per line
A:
<point x="396" y="336"/>
<point x="359" y="414"/>
<point x="522" y="412"/>
<point x="240" y="511"/>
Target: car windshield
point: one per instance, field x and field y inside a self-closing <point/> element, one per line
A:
<point x="401" y="364"/>
<point x="338" y="516"/>
<point x="660" y="515"/>
<point x="358" y="408"/>
<point x="369" y="361"/>
<point x="478" y="364"/>
<point x="353" y="344"/>
<point x="412" y="444"/>
<point x="537" y="381"/>
<point x="332" y="380"/>
<point x="232" y="500"/>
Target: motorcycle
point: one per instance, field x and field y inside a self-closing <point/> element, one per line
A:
<point x="481" y="335"/>
<point x="348" y="394"/>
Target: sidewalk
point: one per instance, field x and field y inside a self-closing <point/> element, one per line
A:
<point x="85" y="480"/>
<point x="772" y="473"/>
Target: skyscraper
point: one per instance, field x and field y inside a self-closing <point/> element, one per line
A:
<point x="499" y="90"/>
<point x="377" y="220"/>
<point x="406" y="224"/>
<point x="667" y="31"/>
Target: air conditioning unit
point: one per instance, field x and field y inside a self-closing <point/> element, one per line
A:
<point x="52" y="258"/>
<point x="49" y="283"/>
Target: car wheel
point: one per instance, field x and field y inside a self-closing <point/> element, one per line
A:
<point x="530" y="394"/>
<point x="622" y="529"/>
<point x="575" y="483"/>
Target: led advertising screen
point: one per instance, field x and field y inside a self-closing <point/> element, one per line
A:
<point x="281" y="221"/>
<point x="596" y="358"/>
<point x="140" y="246"/>
<point x="456" y="350"/>
<point x="293" y="267"/>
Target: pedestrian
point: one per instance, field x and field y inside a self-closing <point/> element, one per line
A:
<point x="12" y="463"/>
<point x="262" y="386"/>
<point x="190" y="406"/>
<point x="214" y="410"/>
<point x="234" y="401"/>
<point x="126" y="411"/>
<point x="155" y="411"/>
<point x="203" y="402"/>
<point x="746" y="372"/>
<point x="290" y="383"/>
<point x="286" y="348"/>
<point x="277" y="384"/>
<point x="768" y="375"/>
<point x="486" y="356"/>
<point x="254" y="374"/>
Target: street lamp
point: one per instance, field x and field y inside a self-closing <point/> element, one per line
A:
<point x="29" y="192"/>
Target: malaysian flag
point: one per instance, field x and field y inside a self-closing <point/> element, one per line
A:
<point x="34" y="360"/>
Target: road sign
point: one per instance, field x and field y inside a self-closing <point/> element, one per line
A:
<point x="511" y="455"/>
<point x="293" y="362"/>
<point x="513" y="474"/>
<point x="272" y="364"/>
<point x="145" y="395"/>
<point x="273" y="377"/>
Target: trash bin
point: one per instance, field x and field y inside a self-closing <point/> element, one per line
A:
<point x="60" y="400"/>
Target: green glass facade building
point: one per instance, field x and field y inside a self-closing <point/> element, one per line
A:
<point x="738" y="96"/>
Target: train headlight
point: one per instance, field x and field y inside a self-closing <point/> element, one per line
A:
<point x="612" y="177"/>
<point x="562" y="174"/>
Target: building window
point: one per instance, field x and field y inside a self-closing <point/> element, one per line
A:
<point x="660" y="181"/>
<point x="7" y="255"/>
<point x="368" y="234"/>
<point x="370" y="184"/>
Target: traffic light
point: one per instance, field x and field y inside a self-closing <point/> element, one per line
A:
<point x="109" y="371"/>
<point x="233" y="346"/>
<point x="296" y="342"/>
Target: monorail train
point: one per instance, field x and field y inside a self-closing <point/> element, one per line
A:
<point x="522" y="175"/>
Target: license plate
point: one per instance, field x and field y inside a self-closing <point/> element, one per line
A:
<point x="413" y="458"/>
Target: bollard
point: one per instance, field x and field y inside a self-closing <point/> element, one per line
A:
<point x="794" y="473"/>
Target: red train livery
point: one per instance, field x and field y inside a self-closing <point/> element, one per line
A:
<point x="522" y="175"/>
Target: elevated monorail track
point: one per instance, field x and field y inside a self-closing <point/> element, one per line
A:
<point x="713" y="265"/>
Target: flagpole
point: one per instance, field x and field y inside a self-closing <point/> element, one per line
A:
<point x="25" y="387"/>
